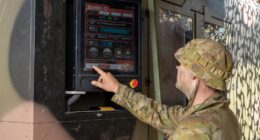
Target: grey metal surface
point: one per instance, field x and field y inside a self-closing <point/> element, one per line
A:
<point x="216" y="8"/>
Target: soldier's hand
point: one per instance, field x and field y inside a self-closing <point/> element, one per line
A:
<point x="106" y="81"/>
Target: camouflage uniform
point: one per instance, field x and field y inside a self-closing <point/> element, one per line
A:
<point x="212" y="120"/>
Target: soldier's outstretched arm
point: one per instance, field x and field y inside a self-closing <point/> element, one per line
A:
<point x="160" y="116"/>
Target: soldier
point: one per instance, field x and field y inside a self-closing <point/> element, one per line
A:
<point x="204" y="67"/>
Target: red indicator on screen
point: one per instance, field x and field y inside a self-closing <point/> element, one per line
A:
<point x="133" y="83"/>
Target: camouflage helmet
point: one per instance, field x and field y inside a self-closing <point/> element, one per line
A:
<point x="207" y="60"/>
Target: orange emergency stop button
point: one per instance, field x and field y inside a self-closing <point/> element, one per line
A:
<point x="133" y="83"/>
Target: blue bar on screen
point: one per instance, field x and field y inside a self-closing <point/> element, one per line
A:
<point x="114" y="31"/>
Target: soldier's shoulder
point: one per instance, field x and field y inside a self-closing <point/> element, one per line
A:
<point x="194" y="120"/>
<point x="195" y="128"/>
<point x="198" y="123"/>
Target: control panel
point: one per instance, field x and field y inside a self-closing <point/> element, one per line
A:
<point x="106" y="35"/>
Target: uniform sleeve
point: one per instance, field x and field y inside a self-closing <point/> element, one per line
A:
<point x="161" y="117"/>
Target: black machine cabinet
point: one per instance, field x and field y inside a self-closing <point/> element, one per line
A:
<point x="106" y="34"/>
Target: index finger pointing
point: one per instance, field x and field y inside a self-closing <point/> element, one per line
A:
<point x="98" y="70"/>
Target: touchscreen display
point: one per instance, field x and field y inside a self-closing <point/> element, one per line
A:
<point x="109" y="37"/>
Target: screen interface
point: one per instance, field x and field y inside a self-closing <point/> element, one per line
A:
<point x="109" y="33"/>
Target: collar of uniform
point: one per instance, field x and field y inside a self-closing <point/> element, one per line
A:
<point x="217" y="100"/>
